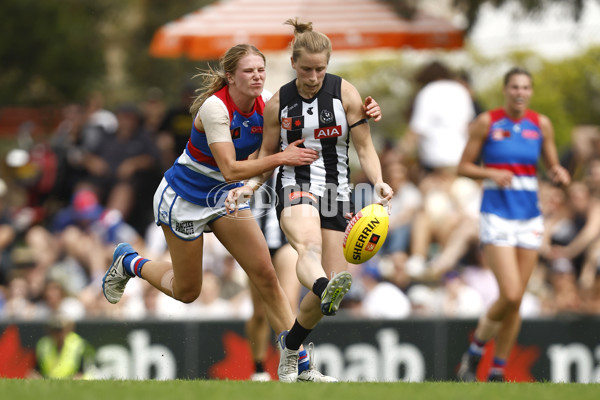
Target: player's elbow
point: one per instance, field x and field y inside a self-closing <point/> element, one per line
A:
<point x="232" y="175"/>
<point x="462" y="169"/>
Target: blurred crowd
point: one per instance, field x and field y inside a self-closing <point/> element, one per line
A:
<point x="69" y="196"/>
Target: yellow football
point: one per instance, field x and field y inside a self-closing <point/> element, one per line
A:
<point x="366" y="233"/>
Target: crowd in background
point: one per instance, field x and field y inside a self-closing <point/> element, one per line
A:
<point x="68" y="197"/>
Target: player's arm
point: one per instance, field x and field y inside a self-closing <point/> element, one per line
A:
<point x="468" y="166"/>
<point x="360" y="132"/>
<point x="271" y="141"/>
<point x="557" y="172"/>
<point x="214" y="120"/>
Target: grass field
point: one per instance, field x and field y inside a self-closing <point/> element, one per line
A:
<point x="233" y="390"/>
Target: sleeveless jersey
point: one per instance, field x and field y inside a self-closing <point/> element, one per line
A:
<point x="512" y="145"/>
<point x="321" y="121"/>
<point x="195" y="175"/>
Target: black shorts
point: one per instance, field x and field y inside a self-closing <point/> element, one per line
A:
<point x="334" y="214"/>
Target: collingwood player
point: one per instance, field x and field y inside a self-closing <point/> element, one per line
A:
<point x="326" y="111"/>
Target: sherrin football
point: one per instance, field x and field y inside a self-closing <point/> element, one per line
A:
<point x="366" y="233"/>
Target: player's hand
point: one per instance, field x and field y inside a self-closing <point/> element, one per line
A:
<point x="385" y="193"/>
<point x="559" y="175"/>
<point x="296" y="156"/>
<point x="502" y="177"/>
<point x="237" y="196"/>
<point x="372" y="109"/>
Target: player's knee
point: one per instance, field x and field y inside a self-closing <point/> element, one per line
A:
<point x="513" y="300"/>
<point x="265" y="281"/>
<point x="187" y="296"/>
<point x="258" y="317"/>
<point x="310" y="248"/>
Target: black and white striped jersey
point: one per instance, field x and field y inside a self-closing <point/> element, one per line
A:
<point x="321" y="121"/>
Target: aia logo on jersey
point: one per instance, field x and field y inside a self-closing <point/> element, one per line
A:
<point x="292" y="123"/>
<point x="256" y="130"/>
<point x="328" y="132"/>
<point x="372" y="242"/>
<point x="236" y="133"/>
<point x="530" y="134"/>
<point x="500" y="134"/>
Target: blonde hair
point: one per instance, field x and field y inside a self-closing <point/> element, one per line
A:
<point x="214" y="80"/>
<point x="307" y="39"/>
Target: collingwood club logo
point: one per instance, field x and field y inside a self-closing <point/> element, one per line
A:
<point x="326" y="116"/>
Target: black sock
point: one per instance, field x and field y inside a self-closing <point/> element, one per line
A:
<point x="319" y="286"/>
<point x="258" y="366"/>
<point x="296" y="336"/>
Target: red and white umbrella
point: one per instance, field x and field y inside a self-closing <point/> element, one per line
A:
<point x="207" y="33"/>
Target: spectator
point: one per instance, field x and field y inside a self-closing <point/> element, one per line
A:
<point x="125" y="169"/>
<point x="8" y="234"/>
<point x="99" y="120"/>
<point x="174" y="132"/>
<point x="62" y="353"/>
<point x="404" y="204"/>
<point x="441" y="113"/>
<point x="18" y="304"/>
<point x="585" y="146"/>
<point x="73" y="141"/>
<point x="382" y="299"/>
<point x="457" y="299"/>
<point x="55" y="300"/>
<point x="464" y="78"/>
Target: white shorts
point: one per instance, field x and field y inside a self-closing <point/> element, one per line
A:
<point x="512" y="233"/>
<point x="187" y="220"/>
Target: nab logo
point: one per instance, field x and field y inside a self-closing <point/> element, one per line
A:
<point x="372" y="242"/>
<point x="328" y="132"/>
<point x="236" y="133"/>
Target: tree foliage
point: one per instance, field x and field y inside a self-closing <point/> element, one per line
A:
<point x="54" y="51"/>
<point x="49" y="49"/>
<point x="470" y="8"/>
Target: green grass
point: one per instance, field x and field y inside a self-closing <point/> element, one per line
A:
<point x="232" y="390"/>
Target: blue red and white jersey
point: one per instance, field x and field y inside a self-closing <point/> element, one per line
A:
<point x="195" y="175"/>
<point x="513" y="145"/>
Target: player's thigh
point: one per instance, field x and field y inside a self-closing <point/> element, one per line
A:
<point x="301" y="225"/>
<point x="528" y="260"/>
<point x="186" y="257"/>
<point x="244" y="240"/>
<point x="503" y="262"/>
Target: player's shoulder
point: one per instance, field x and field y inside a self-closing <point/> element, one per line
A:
<point x="266" y="95"/>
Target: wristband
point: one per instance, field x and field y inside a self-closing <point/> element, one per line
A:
<point x="254" y="183"/>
